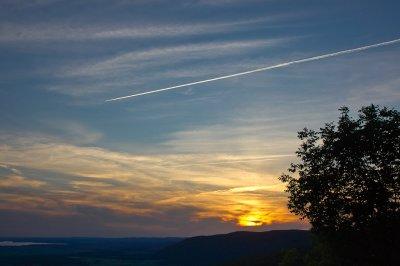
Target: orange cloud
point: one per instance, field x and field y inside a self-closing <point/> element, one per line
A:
<point x="233" y="188"/>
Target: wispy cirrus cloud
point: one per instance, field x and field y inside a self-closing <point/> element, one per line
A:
<point x="128" y="69"/>
<point x="12" y="32"/>
<point x="222" y="2"/>
<point x="71" y="131"/>
<point x="385" y="92"/>
<point x="266" y="68"/>
<point x="171" y="54"/>
<point x="21" y="4"/>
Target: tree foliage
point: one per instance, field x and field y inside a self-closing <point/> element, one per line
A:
<point x="348" y="176"/>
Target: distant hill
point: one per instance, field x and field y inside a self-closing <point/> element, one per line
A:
<point x="228" y="248"/>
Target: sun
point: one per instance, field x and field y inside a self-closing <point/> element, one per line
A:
<point x="252" y="219"/>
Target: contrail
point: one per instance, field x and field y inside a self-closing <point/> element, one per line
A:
<point x="314" y="58"/>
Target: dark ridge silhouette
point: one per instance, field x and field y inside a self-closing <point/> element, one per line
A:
<point x="228" y="248"/>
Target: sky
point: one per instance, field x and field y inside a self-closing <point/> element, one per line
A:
<point x="198" y="160"/>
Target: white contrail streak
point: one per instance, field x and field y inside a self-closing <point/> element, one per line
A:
<point x="261" y="69"/>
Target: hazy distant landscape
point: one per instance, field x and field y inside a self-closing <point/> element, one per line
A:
<point x="229" y="249"/>
<point x="85" y="251"/>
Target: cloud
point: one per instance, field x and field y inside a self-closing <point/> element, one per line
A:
<point x="167" y="55"/>
<point x="237" y="137"/>
<point x="12" y="32"/>
<point x="223" y="2"/>
<point x="12" y="178"/>
<point x="21" y="4"/>
<point x="204" y="177"/>
<point x="72" y="131"/>
<point x="142" y="186"/>
<point x="19" y="181"/>
<point x="265" y="68"/>
<point x="385" y="92"/>
<point x="126" y="70"/>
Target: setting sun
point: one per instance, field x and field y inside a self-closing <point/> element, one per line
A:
<point x="252" y="219"/>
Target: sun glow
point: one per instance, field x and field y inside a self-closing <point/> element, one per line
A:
<point x="253" y="219"/>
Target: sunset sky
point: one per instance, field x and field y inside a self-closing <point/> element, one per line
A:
<point x="199" y="160"/>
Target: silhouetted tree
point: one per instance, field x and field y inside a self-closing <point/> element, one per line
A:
<point x="291" y="257"/>
<point x="347" y="184"/>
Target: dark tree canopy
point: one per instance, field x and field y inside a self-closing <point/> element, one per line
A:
<point x="348" y="175"/>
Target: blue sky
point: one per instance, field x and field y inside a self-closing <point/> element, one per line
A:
<point x="198" y="160"/>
